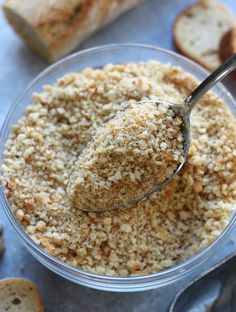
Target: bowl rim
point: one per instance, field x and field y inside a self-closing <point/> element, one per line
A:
<point x="161" y="277"/>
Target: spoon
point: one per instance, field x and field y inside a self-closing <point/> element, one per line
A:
<point x="183" y="110"/>
<point x="213" y="291"/>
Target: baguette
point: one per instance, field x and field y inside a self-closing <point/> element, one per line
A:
<point x="53" y="28"/>
<point x="198" y="29"/>
<point x="19" y="295"/>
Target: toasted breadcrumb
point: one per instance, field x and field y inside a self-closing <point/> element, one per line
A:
<point x="156" y="233"/>
<point x="132" y="154"/>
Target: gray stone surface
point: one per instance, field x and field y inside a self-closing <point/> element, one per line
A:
<point x="150" y="23"/>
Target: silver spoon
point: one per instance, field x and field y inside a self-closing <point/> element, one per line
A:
<point x="213" y="291"/>
<point x="183" y="110"/>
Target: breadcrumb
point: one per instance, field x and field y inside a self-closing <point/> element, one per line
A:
<point x="152" y="235"/>
<point x="132" y="154"/>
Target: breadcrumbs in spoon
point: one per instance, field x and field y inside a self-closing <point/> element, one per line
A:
<point x="130" y="155"/>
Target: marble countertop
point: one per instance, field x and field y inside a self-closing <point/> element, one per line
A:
<point x="150" y="23"/>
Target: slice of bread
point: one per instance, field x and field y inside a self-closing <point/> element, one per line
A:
<point x="228" y="44"/>
<point x="19" y="295"/>
<point x="228" y="47"/>
<point x="198" y="29"/>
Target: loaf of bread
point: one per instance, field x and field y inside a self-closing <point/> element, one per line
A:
<point x="19" y="295"/>
<point x="198" y="30"/>
<point x="53" y="28"/>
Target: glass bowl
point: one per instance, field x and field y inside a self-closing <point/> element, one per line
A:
<point x="97" y="57"/>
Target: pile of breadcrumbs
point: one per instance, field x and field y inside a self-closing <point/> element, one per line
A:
<point x="132" y="154"/>
<point x="154" y="234"/>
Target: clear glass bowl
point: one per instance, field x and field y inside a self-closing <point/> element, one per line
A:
<point x="97" y="57"/>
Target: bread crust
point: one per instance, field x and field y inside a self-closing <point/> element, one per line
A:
<point x="178" y="44"/>
<point x="59" y="25"/>
<point x="227" y="47"/>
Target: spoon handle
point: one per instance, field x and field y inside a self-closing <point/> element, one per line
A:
<point x="222" y="71"/>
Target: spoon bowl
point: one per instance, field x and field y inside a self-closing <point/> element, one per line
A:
<point x="182" y="111"/>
